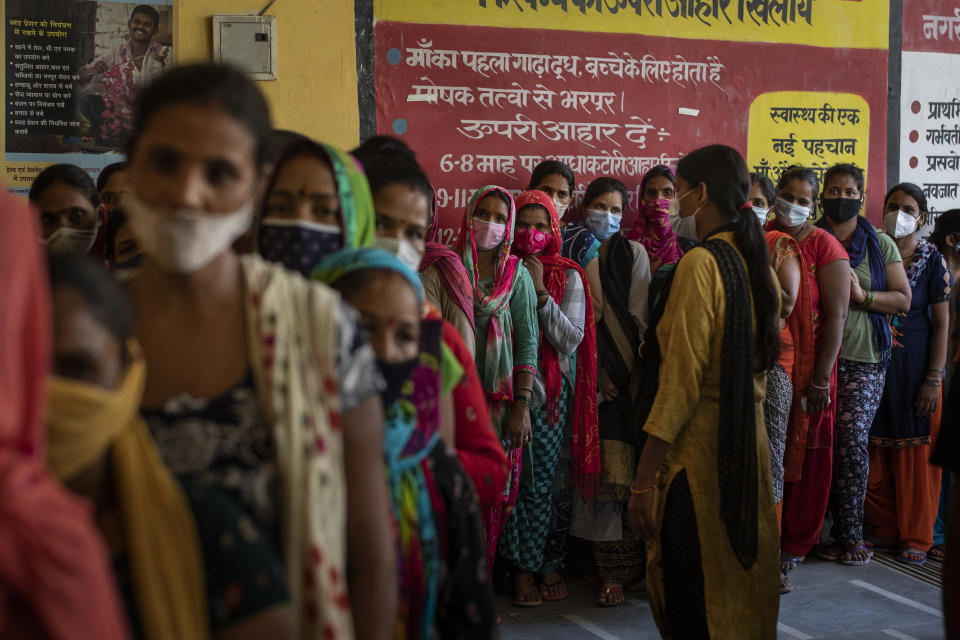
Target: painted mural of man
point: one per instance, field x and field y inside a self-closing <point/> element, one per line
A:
<point x="110" y="82"/>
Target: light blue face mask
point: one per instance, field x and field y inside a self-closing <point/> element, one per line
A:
<point x="603" y="224"/>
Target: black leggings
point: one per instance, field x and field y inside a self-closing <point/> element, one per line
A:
<point x="686" y="611"/>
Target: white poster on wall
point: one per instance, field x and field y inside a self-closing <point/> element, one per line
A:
<point x="930" y="128"/>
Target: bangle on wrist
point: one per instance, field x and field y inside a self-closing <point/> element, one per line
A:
<point x="868" y="299"/>
<point x="542" y="292"/>
<point x="524" y="399"/>
<point x="816" y="386"/>
<point x="641" y="490"/>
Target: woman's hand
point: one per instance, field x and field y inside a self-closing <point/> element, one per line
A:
<point x="607" y="388"/>
<point x="927" y="400"/>
<point x="640" y="516"/>
<point x="517" y="429"/>
<point x="535" y="267"/>
<point x="818" y="399"/>
<point x="857" y="294"/>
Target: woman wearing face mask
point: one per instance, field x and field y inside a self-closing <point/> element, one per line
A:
<point x="704" y="510"/>
<point x="402" y="196"/>
<point x="795" y="328"/>
<point x="946" y="237"/>
<point x="100" y="447"/>
<point x="903" y="488"/>
<point x="55" y="580"/>
<point x="557" y="181"/>
<point x="625" y="272"/>
<point x="407" y="225"/>
<point x="567" y="374"/>
<point x="72" y="215"/>
<point x="505" y="310"/>
<point x="247" y="359"/>
<point x="317" y="202"/>
<point x="652" y="229"/>
<point x="878" y="287"/>
<point x="444" y="585"/>
<point x="762" y="195"/>
<point x="808" y="454"/>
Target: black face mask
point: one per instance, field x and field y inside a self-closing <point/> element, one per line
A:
<point x="841" y="209"/>
<point x="396" y="374"/>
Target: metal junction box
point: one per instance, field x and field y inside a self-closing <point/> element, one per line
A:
<point x="247" y="42"/>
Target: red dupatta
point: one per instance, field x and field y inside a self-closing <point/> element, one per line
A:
<point x="51" y="556"/>
<point x="586" y="434"/>
<point x="450" y="268"/>
<point x="801" y="328"/>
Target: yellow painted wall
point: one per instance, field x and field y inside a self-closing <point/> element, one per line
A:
<point x="316" y="92"/>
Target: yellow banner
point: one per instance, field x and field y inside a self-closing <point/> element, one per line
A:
<point x="810" y="129"/>
<point x="861" y="24"/>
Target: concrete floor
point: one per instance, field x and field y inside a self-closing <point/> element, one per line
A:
<point x="874" y="602"/>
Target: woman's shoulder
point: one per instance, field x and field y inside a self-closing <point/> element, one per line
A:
<point x="825" y="245"/>
<point x="262" y="275"/>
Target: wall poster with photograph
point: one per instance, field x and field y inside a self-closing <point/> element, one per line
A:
<point x="73" y="70"/>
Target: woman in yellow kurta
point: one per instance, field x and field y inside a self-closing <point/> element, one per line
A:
<point x="702" y="498"/>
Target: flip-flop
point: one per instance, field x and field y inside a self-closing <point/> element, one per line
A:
<point x="905" y="558"/>
<point x="602" y="598"/>
<point x="856" y="563"/>
<point x="785" y="585"/>
<point x="789" y="563"/>
<point x="553" y="597"/>
<point x="528" y="603"/>
<point x="528" y="592"/>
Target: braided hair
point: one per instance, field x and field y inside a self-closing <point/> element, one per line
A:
<point x="725" y="175"/>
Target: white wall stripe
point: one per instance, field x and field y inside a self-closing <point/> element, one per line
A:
<point x="793" y="633"/>
<point x="592" y="628"/>
<point x="897" y="598"/>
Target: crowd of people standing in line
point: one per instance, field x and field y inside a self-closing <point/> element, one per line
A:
<point x="294" y="412"/>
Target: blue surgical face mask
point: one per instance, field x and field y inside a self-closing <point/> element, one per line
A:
<point x="297" y="244"/>
<point x="603" y="224"/>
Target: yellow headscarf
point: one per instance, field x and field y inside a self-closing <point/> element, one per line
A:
<point x="84" y="422"/>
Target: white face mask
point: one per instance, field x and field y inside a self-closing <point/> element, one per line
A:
<point x="683" y="227"/>
<point x="68" y="240"/>
<point x="761" y="214"/>
<point x="899" y="224"/>
<point x="561" y="208"/>
<point x="185" y="240"/>
<point x="405" y="252"/>
<point x="789" y="214"/>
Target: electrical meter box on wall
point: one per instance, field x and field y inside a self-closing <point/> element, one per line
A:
<point x="247" y="42"/>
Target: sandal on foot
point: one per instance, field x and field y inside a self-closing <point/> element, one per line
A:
<point x="611" y="595"/>
<point x="785" y="585"/>
<point x="937" y="551"/>
<point x="554" y="590"/>
<point x="848" y="561"/>
<point x="526" y="594"/>
<point x="912" y="556"/>
<point x="789" y="563"/>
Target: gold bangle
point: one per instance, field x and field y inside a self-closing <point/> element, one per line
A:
<point x="640" y="492"/>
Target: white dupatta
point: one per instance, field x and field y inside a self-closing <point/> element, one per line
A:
<point x="292" y="330"/>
